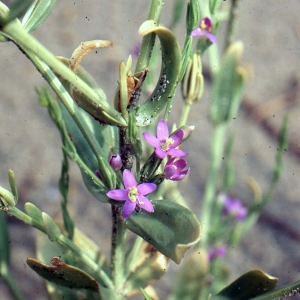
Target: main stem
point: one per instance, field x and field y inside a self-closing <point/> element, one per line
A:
<point x="211" y="183"/>
<point x="118" y="243"/>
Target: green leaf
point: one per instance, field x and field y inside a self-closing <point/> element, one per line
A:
<point x="4" y="241"/>
<point x="172" y="229"/>
<point x="13" y="185"/>
<point x="252" y="284"/>
<point x="37" y="14"/>
<point x="168" y="79"/>
<point x="46" y="249"/>
<point x="106" y="138"/>
<point x="64" y="275"/>
<point x="17" y="8"/>
<point x="51" y="228"/>
<point x="288" y="290"/>
<point x="34" y="212"/>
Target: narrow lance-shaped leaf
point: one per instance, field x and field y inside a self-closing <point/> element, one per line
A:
<point x="37" y="14"/>
<point x="31" y="46"/>
<point x="16" y="10"/>
<point x="168" y="79"/>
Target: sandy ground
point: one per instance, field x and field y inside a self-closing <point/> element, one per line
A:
<point x="30" y="143"/>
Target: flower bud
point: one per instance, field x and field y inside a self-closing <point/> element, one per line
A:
<point x="192" y="15"/>
<point x="116" y="162"/>
<point x="193" y="82"/>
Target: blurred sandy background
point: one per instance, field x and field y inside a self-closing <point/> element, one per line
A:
<point x="30" y="143"/>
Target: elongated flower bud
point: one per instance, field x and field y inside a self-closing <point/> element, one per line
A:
<point x="193" y="82"/>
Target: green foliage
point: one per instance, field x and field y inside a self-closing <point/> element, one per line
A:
<point x="250" y="285"/>
<point x="37" y="14"/>
<point x="168" y="79"/>
<point x="172" y="229"/>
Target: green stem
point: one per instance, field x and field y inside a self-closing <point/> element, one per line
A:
<point x="133" y="254"/>
<point x="148" y="40"/>
<point x="66" y="242"/>
<point x="70" y="106"/>
<point x="9" y="280"/>
<point x="16" y="33"/>
<point x="231" y="23"/>
<point x="118" y="243"/>
<point x="217" y="148"/>
<point x="184" y="114"/>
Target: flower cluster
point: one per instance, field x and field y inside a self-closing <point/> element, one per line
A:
<point x="166" y="144"/>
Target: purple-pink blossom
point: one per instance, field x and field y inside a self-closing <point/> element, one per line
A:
<point x="234" y="208"/>
<point x="205" y="28"/>
<point x="174" y="169"/>
<point x="133" y="195"/>
<point x="219" y="251"/>
<point x="163" y="143"/>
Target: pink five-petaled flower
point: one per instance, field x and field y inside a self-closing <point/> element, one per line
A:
<point x="174" y="169"/>
<point x="205" y="29"/>
<point x="133" y="195"/>
<point x="219" y="251"/>
<point x="234" y="208"/>
<point x="163" y="144"/>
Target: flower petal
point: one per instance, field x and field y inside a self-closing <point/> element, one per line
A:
<point x="197" y="32"/>
<point x="151" y="139"/>
<point x="177" y="138"/>
<point x="177" y="153"/>
<point x="162" y="131"/>
<point x="146" y="188"/>
<point x="147" y="205"/>
<point x="128" y="209"/>
<point x="118" y="194"/>
<point x="211" y="37"/>
<point x="159" y="153"/>
<point x="179" y="176"/>
<point x="129" y="180"/>
<point x="180" y="164"/>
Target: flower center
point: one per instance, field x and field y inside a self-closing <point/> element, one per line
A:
<point x="165" y="146"/>
<point x="204" y="25"/>
<point x="132" y="194"/>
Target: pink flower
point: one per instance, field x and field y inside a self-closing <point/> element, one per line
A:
<point x="234" y="208"/>
<point x="164" y="144"/>
<point x="205" y="29"/>
<point x="133" y="195"/>
<point x="174" y="169"/>
<point x="217" y="252"/>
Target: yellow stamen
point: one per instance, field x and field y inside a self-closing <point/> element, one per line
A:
<point x="132" y="193"/>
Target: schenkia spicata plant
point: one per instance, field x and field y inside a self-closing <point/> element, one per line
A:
<point x="140" y="185"/>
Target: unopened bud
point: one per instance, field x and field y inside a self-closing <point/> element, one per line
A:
<point x="116" y="162"/>
<point x="193" y="82"/>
